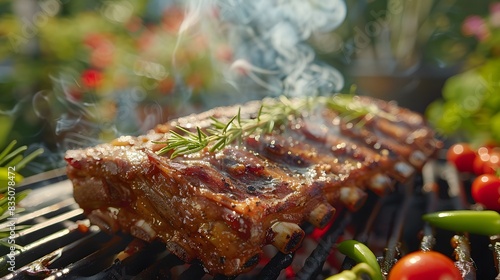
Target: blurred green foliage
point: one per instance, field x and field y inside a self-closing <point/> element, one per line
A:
<point x="78" y="59"/>
<point x="427" y="31"/>
<point x="469" y="109"/>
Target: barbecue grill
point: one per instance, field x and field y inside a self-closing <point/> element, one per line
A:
<point x="61" y="244"/>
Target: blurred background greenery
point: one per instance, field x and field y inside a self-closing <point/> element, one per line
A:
<point x="77" y="72"/>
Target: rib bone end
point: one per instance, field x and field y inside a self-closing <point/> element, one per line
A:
<point x="321" y="215"/>
<point x="380" y="184"/>
<point x="353" y="198"/>
<point x="286" y="237"/>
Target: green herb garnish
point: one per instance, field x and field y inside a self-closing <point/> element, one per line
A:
<point x="269" y="116"/>
<point x="11" y="162"/>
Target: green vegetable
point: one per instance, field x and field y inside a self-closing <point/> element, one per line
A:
<point x="470" y="107"/>
<point x="355" y="273"/>
<point x="361" y="254"/>
<point x="477" y="222"/>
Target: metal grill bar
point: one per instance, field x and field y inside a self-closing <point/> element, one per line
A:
<point x="314" y="263"/>
<point x="274" y="267"/>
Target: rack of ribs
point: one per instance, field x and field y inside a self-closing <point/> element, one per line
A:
<point x="221" y="208"/>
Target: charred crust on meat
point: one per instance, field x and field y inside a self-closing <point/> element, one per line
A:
<point x="104" y="220"/>
<point x="226" y="184"/>
<point x="119" y="193"/>
<point x="251" y="189"/>
<point x="179" y="251"/>
<point x="294" y="241"/>
<point x="255" y="169"/>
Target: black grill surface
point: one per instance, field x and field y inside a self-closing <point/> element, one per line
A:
<point x="59" y="242"/>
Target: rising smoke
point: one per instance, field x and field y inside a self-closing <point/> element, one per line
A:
<point x="269" y="41"/>
<point x="269" y="56"/>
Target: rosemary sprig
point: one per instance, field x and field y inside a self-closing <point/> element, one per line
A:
<point x="220" y="133"/>
<point x="269" y="116"/>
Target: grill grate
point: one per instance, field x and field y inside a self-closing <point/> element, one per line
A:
<point x="60" y="244"/>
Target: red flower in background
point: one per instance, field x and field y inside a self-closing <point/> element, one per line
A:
<point x="495" y="14"/>
<point x="73" y="94"/>
<point x="495" y="8"/>
<point x="172" y="19"/>
<point x="224" y="53"/>
<point x="145" y="40"/>
<point x="91" y="78"/>
<point x="102" y="49"/>
<point x="134" y="24"/>
<point x="166" y="85"/>
<point x="476" y="26"/>
<point x="95" y="40"/>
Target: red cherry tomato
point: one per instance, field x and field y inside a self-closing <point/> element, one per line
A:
<point x="493" y="164"/>
<point x="424" y="265"/>
<point x="479" y="163"/>
<point x="486" y="161"/>
<point x="486" y="191"/>
<point x="462" y="156"/>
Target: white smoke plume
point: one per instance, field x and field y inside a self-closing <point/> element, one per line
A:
<point x="269" y="56"/>
<point x="269" y="44"/>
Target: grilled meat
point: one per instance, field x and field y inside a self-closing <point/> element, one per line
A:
<point x="222" y="207"/>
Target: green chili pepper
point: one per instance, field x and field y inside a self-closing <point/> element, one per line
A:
<point x="361" y="254"/>
<point x="355" y="273"/>
<point x="476" y="222"/>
